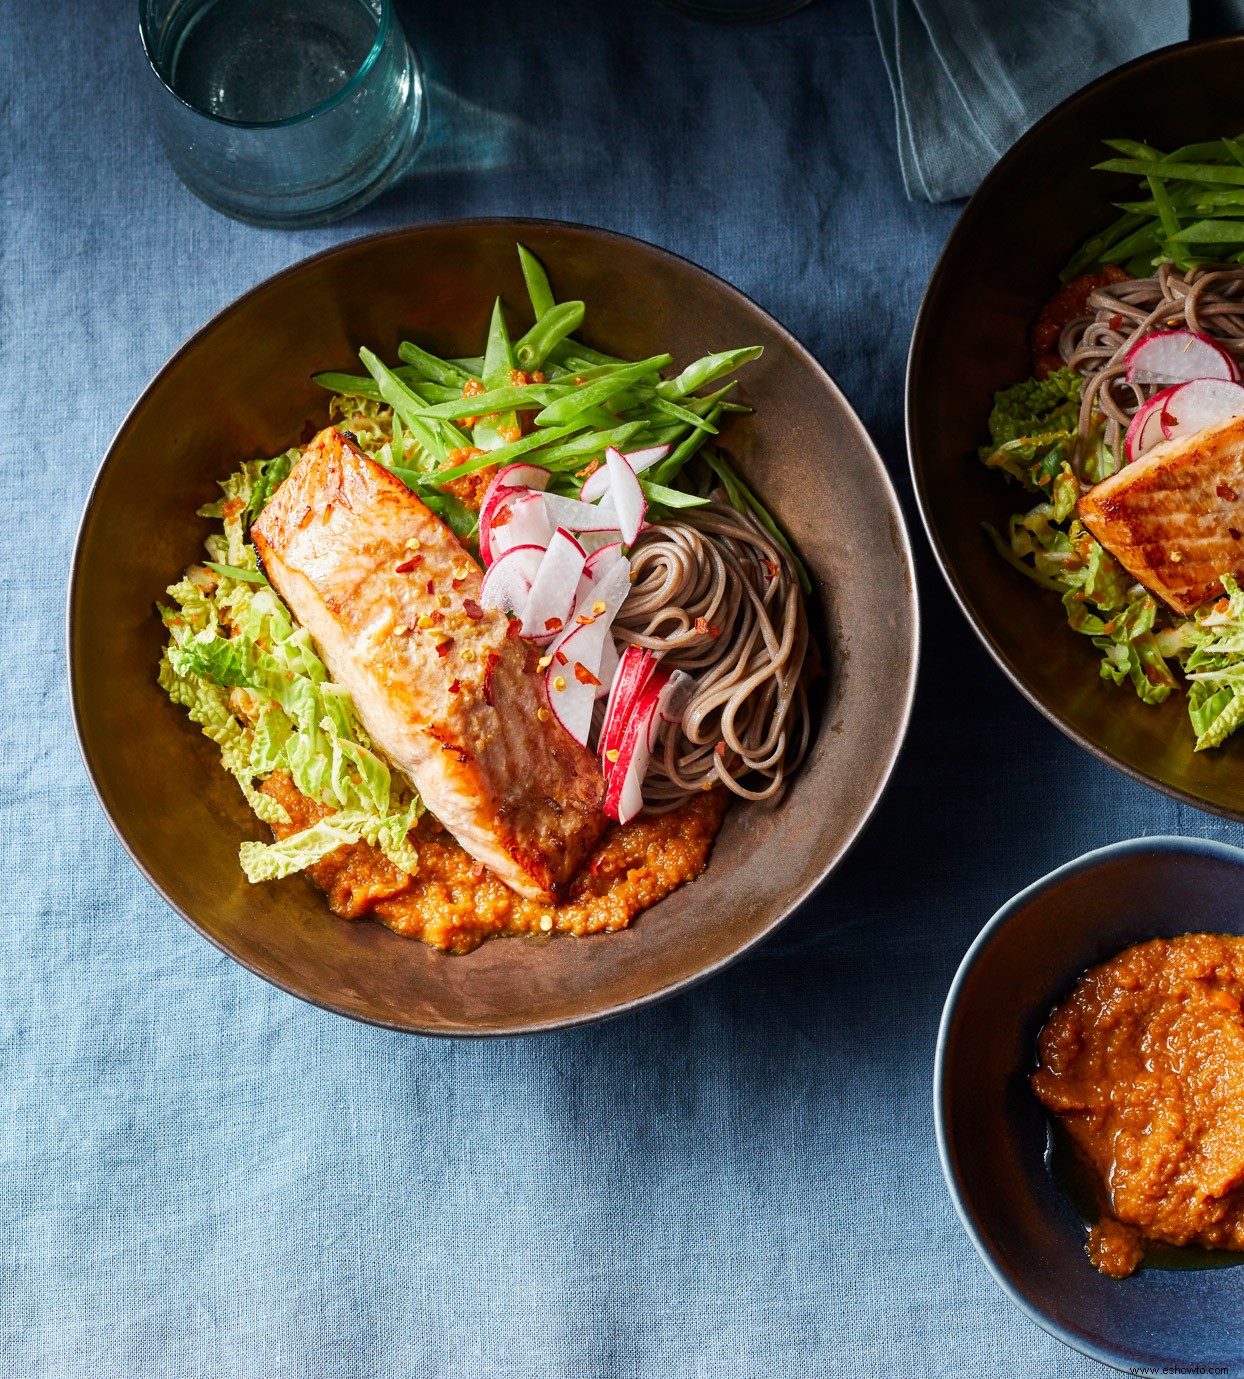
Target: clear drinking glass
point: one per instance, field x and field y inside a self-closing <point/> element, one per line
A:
<point x="283" y="112"/>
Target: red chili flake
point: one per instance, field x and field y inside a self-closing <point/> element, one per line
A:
<point x="1226" y="491"/>
<point x="552" y="624"/>
<point x="457" y="582"/>
<point x="454" y="687"/>
<point x="1116" y="322"/>
<point x="431" y="586"/>
<point x="1235" y="536"/>
<point x="514" y="629"/>
<point x="502" y="517"/>
<point x="1166" y="419"/>
<point x="701" y="627"/>
<point x="771" y="569"/>
<point x="588" y="470"/>
<point x="583" y="675"/>
<point x="407" y="566"/>
<point x="714" y="632"/>
<point x="720" y="749"/>
<point x="443" y="649"/>
<point x="472" y="610"/>
<point x="493" y="660"/>
<point x="560" y="657"/>
<point x="585" y="619"/>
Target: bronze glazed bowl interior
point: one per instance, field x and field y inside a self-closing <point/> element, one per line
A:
<point x="242" y="388"/>
<point x="999" y="266"/>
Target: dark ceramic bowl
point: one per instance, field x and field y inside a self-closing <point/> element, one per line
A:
<point x="992" y="1132"/>
<point x="242" y="387"/>
<point x="999" y="266"/>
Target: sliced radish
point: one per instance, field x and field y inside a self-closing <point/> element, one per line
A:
<point x="596" y="485"/>
<point x="1179" y="356"/>
<point x="526" y="523"/>
<point x="508" y="580"/>
<point x="1145" y="428"/>
<point x="550" y="604"/>
<point x="574" y="677"/>
<point x="593" y="541"/>
<point x="576" y="516"/>
<point x="635" y="667"/>
<point x="628" y="497"/>
<point x="518" y="475"/>
<point x="1204" y="402"/>
<point x="624" y="781"/>
<point x="608" y="668"/>
<point x="603" y="556"/>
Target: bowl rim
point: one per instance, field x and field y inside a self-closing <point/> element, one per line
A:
<point x="900" y="534"/>
<point x="915" y="355"/>
<point x="1163" y="842"/>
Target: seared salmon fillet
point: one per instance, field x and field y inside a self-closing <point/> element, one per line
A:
<point x="391" y="599"/>
<point x="1174" y="519"/>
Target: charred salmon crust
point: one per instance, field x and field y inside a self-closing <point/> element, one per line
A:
<point x="1174" y="519"/>
<point x="383" y="587"/>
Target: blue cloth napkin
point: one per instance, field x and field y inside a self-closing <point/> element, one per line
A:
<point x="970" y="76"/>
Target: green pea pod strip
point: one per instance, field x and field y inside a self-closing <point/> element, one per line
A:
<point x="236" y="572"/>
<point x="410" y="407"/>
<point x="424" y="365"/>
<point x="670" y="497"/>
<point x="355" y="385"/>
<point x="578" y="400"/>
<point x="677" y="413"/>
<point x="499" y="352"/>
<point x="1211" y="232"/>
<point x="672" y="463"/>
<point x="551" y="328"/>
<point x="537" y="280"/>
<point x="504" y="454"/>
<point x="586" y="446"/>
<point x="506" y="399"/>
<point x="1188" y="172"/>
<point x="706" y="370"/>
<point x="745" y="500"/>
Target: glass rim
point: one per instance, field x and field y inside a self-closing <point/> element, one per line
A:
<point x="338" y="96"/>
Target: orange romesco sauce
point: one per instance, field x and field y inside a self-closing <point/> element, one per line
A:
<point x="1144" y="1066"/>
<point x="454" y="903"/>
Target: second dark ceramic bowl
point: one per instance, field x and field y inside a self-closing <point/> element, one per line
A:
<point x="242" y="387"/>
<point x="1000" y="264"/>
<point x="992" y="1132"/>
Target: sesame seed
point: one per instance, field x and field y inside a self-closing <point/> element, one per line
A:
<point x="542" y="715"/>
<point x="559" y="682"/>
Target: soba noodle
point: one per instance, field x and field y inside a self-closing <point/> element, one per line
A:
<point x="719" y="598"/>
<point x="1207" y="298"/>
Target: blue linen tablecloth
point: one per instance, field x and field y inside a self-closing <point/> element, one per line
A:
<point x="201" y="1177"/>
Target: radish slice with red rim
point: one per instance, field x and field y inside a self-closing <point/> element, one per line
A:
<point x="525" y="523"/>
<point x="596" y="485"/>
<point x="577" y="516"/>
<point x="1145" y="429"/>
<point x="1179" y="356"/>
<point x="574" y="677"/>
<point x="550" y="603"/>
<point x="593" y="541"/>
<point x="517" y="475"/>
<point x="507" y="581"/>
<point x="635" y="666"/>
<point x="624" y="795"/>
<point x="1204" y="402"/>
<point x="628" y="497"/>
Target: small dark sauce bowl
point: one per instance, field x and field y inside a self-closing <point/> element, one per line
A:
<point x="993" y="1134"/>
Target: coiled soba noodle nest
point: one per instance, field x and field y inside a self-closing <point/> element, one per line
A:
<point x="1208" y="299"/>
<point x="716" y="596"/>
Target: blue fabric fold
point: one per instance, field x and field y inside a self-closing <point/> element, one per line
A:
<point x="970" y="76"/>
